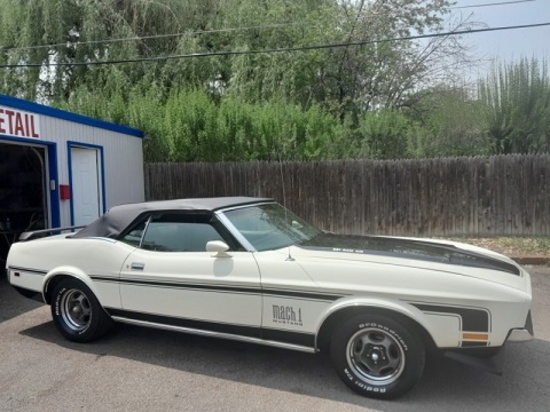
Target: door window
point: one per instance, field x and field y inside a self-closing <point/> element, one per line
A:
<point x="173" y="232"/>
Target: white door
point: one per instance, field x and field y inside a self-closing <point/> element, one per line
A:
<point x="197" y="287"/>
<point x="86" y="194"/>
<point x="172" y="279"/>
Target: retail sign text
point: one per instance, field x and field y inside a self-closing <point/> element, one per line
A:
<point x="18" y="123"/>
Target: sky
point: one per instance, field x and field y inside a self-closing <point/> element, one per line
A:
<point x="512" y="44"/>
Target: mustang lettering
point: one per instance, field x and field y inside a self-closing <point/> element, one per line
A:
<point x="287" y="314"/>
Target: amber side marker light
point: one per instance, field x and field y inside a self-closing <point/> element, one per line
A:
<point x="475" y="336"/>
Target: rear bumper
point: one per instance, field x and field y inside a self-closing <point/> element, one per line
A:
<point x="524" y="334"/>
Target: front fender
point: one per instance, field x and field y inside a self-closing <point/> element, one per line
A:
<point x="400" y="307"/>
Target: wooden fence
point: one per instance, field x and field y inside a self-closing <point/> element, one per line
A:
<point x="501" y="195"/>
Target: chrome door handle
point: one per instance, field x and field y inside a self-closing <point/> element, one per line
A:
<point x="137" y="266"/>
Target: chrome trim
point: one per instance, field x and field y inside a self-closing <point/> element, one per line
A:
<point x="233" y="230"/>
<point x="519" y="335"/>
<point x="208" y="333"/>
<point x="137" y="266"/>
<point x="144" y="231"/>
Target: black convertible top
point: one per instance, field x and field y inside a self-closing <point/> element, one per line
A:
<point x="112" y="223"/>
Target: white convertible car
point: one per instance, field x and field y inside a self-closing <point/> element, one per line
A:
<point x="248" y="269"/>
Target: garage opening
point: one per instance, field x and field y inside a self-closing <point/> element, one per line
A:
<point x="23" y="201"/>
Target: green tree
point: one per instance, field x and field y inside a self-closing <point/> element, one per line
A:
<point x="449" y="122"/>
<point x="78" y="31"/>
<point x="342" y="79"/>
<point x="385" y="135"/>
<point x="311" y="104"/>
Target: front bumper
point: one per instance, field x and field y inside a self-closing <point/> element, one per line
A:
<point x="524" y="334"/>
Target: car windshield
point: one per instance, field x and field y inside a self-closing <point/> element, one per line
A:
<point x="271" y="226"/>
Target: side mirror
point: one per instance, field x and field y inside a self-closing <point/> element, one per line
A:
<point x="219" y="247"/>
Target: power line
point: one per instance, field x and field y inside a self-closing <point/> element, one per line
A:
<point x="279" y="50"/>
<point x="156" y="36"/>
<point x="500" y="3"/>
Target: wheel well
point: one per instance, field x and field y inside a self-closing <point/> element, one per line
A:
<point x="337" y="318"/>
<point x="52" y="283"/>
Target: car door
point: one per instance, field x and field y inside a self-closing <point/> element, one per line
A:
<point x="171" y="278"/>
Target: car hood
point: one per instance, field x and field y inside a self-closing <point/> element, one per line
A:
<point x="409" y="249"/>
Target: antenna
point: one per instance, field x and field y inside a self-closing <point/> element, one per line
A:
<point x="282" y="182"/>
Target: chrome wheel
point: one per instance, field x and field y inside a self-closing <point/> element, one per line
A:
<point x="375" y="356"/>
<point x="76" y="310"/>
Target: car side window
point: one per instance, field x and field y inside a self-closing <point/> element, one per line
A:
<point x="178" y="233"/>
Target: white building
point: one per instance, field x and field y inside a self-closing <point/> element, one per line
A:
<point x="60" y="169"/>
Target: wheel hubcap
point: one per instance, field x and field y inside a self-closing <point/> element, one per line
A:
<point x="76" y="310"/>
<point x="375" y="356"/>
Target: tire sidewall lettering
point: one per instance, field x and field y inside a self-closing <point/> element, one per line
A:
<point x="401" y="341"/>
<point x="365" y="387"/>
<point x="403" y="334"/>
<point x="58" y="301"/>
<point x="361" y="384"/>
<point x="87" y="327"/>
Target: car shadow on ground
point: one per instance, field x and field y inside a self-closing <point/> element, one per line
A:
<point x="446" y="384"/>
<point x="11" y="303"/>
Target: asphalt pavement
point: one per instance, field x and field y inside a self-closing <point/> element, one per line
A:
<point x="138" y="369"/>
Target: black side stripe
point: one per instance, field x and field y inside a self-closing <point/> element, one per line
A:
<point x="224" y="289"/>
<point x="297" y="338"/>
<point x="217" y="288"/>
<point x="34" y="271"/>
<point x="473" y="320"/>
<point x="305" y="295"/>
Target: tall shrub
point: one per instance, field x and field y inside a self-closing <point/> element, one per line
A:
<point x="518" y="107"/>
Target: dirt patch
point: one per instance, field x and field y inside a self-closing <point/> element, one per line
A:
<point x="512" y="246"/>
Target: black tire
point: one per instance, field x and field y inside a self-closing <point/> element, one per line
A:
<point x="76" y="312"/>
<point x="377" y="356"/>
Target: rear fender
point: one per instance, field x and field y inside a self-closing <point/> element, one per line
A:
<point x="69" y="271"/>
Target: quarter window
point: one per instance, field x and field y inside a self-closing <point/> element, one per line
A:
<point x="133" y="237"/>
